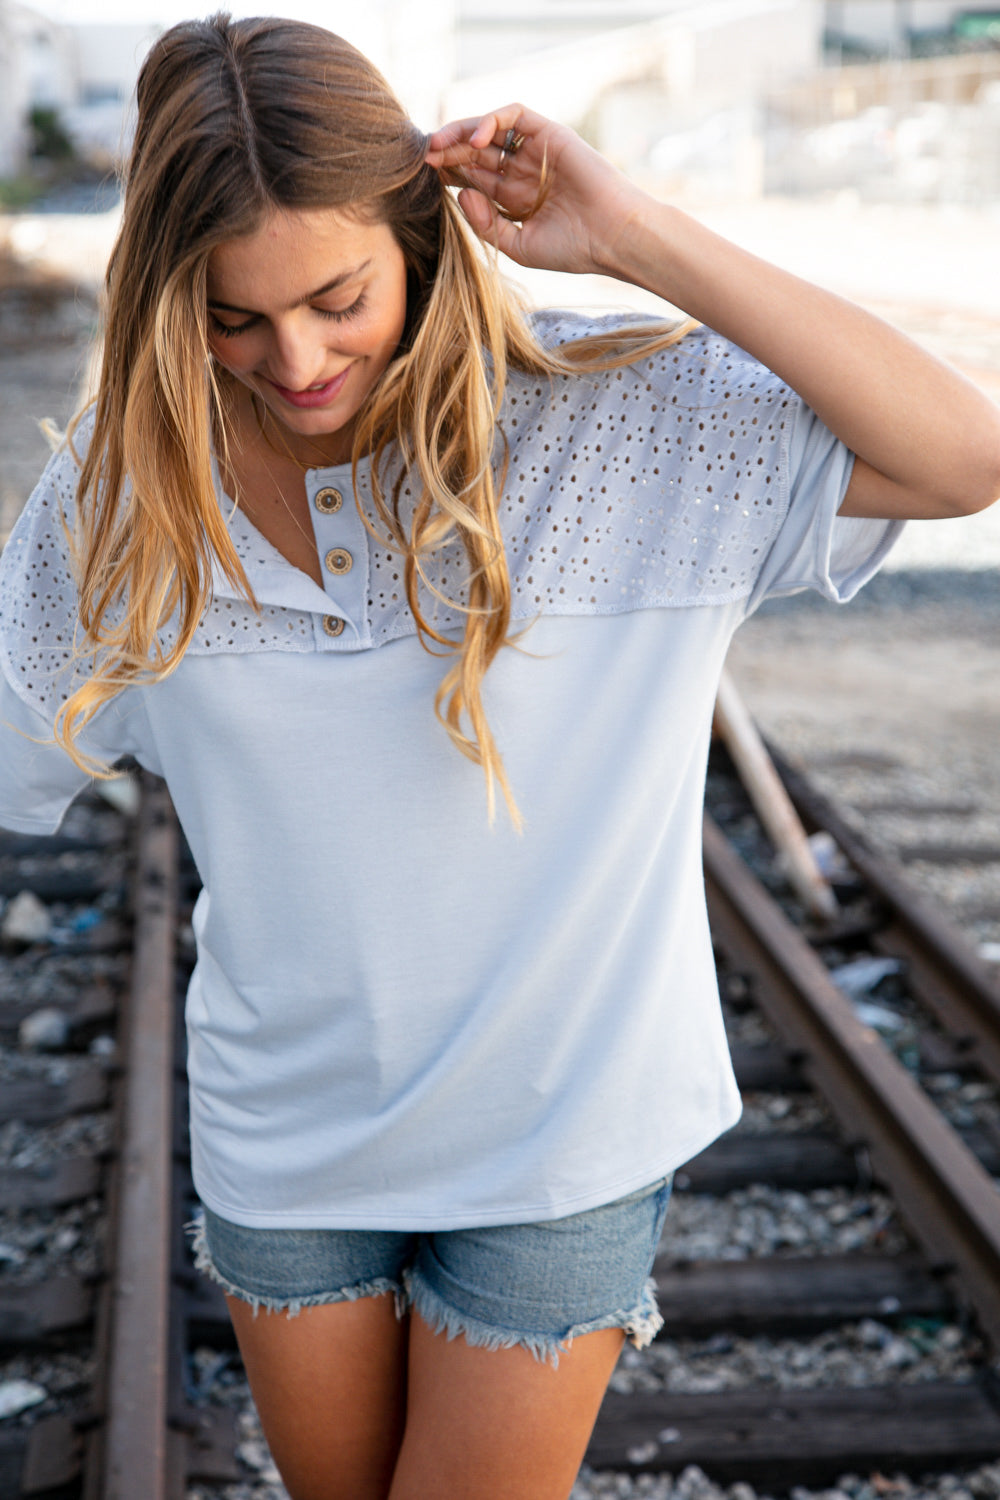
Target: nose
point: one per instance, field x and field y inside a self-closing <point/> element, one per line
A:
<point x="298" y="356"/>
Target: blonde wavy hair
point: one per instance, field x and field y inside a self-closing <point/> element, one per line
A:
<point x="236" y="120"/>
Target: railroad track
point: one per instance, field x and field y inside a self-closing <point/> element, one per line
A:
<point x="890" y="1133"/>
<point x="127" y="1430"/>
<point x="143" y="1424"/>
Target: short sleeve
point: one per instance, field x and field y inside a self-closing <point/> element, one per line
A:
<point x="39" y="620"/>
<point x="38" y="780"/>
<point x="815" y="548"/>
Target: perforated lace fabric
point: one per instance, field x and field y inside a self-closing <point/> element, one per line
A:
<point x="659" y="485"/>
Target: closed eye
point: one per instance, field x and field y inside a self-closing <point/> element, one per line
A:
<point x="230" y="330"/>
<point x="337" y="315"/>
<point x="340" y="314"/>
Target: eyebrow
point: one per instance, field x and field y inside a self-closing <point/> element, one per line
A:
<point x="331" y="286"/>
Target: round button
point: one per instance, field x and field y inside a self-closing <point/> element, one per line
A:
<point x="332" y="625"/>
<point x="338" y="560"/>
<point x="328" y="501"/>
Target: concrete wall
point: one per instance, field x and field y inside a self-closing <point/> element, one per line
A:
<point x="906" y="131"/>
<point x="494" y="34"/>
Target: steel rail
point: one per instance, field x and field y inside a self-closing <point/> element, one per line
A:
<point x="948" y="1200"/>
<point x="136" y="1447"/>
<point x="946" y="974"/>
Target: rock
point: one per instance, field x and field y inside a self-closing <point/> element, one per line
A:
<point x="254" y="1453"/>
<point x="694" y="1484"/>
<point x="874" y="1335"/>
<point x="642" y="1453"/>
<point x="899" y="1353"/>
<point x="25" y="921"/>
<point x="122" y="793"/>
<point x="862" y="975"/>
<point x="45" y="1030"/>
<point x="18" y="1395"/>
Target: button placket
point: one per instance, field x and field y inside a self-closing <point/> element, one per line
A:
<point x="342" y="543"/>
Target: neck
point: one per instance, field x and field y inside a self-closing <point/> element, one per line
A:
<point x="262" y="426"/>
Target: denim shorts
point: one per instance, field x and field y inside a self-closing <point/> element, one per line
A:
<point x="537" y="1285"/>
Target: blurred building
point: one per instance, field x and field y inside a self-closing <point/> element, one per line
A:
<point x="900" y="28"/>
<point x="710" y="98"/>
<point x="84" y="73"/>
<point x="87" y="71"/>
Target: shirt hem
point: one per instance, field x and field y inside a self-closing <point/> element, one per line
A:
<point x="480" y="1218"/>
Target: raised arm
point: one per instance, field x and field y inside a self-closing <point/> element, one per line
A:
<point x="927" y="440"/>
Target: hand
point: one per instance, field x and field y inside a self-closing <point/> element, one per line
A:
<point x="550" y="202"/>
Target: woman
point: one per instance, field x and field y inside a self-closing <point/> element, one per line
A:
<point x="442" y="1064"/>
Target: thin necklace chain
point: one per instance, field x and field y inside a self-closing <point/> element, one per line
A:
<point x="306" y="535"/>
<point x="284" y="451"/>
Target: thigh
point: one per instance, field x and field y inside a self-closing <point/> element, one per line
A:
<point x="498" y="1424"/>
<point x="315" y="1314"/>
<point x="515" y="1332"/>
<point x="330" y="1388"/>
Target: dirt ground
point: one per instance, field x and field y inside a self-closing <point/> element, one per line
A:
<point x="47" y="326"/>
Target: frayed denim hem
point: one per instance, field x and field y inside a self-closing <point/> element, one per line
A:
<point x="290" y="1305"/>
<point x="641" y="1324"/>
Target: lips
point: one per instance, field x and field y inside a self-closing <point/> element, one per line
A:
<point x="313" y="396"/>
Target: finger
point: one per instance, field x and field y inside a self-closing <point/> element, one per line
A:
<point x="462" y="156"/>
<point x="478" y="209"/>
<point x="487" y="166"/>
<point x="490" y="225"/>
<point x="457" y="143"/>
<point x="470" y="176"/>
<point x="477" y="131"/>
<point x="483" y="131"/>
<point x="487" y="170"/>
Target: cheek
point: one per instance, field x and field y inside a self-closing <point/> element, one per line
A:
<point x="221" y="351"/>
<point x="233" y="355"/>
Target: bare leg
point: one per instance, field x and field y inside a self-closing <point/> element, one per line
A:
<point x="330" y="1387"/>
<point x="486" y="1424"/>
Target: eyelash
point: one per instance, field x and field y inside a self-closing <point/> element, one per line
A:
<point x="227" y="331"/>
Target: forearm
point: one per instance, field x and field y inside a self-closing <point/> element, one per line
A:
<point x="914" y="420"/>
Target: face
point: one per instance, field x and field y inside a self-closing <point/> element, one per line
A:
<point x="308" y="312"/>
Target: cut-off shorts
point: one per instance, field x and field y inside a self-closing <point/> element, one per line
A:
<point x="536" y="1285"/>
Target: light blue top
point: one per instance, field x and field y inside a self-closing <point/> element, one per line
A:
<point x="400" y="1017"/>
